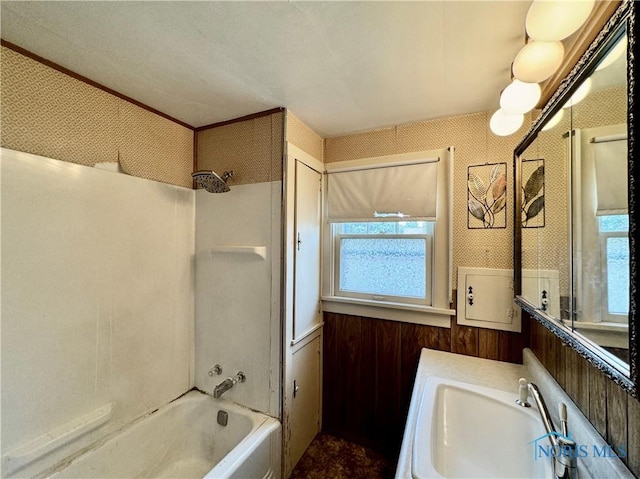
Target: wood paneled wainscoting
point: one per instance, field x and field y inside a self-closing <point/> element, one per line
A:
<point x="370" y="364"/>
<point x="614" y="413"/>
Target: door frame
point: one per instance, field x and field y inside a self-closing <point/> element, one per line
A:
<point x="292" y="153"/>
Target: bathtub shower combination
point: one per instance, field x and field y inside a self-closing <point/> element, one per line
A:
<point x="187" y="439"/>
<point x="98" y="329"/>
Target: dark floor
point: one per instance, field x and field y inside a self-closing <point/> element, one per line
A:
<point x="331" y="458"/>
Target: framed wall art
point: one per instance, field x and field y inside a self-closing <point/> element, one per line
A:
<point x="533" y="215"/>
<point x="487" y="196"/>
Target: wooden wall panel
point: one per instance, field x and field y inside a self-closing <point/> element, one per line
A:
<point x="387" y="395"/>
<point x="634" y="436"/>
<point x="414" y="338"/>
<point x="614" y="413"/>
<point x="510" y="346"/>
<point x="367" y="377"/>
<point x="370" y="367"/>
<point x="597" y="400"/>
<point x="561" y="353"/>
<point x="488" y="344"/>
<point x="464" y="340"/>
<point x="617" y="418"/>
<point x="348" y="357"/>
<point x="444" y="339"/>
<point x="330" y="368"/>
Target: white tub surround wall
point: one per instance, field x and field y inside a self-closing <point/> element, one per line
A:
<point x="238" y="261"/>
<point x="504" y="376"/>
<point x="97" y="305"/>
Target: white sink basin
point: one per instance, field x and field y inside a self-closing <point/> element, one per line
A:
<point x="470" y="431"/>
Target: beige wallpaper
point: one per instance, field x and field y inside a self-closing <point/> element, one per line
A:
<point x="548" y="247"/>
<point x="474" y="144"/>
<point x="304" y="137"/>
<point x="251" y="148"/>
<point x="51" y="114"/>
<point x="153" y="147"/>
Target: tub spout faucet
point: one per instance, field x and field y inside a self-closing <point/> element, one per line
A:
<point x="228" y="383"/>
<point x="565" y="462"/>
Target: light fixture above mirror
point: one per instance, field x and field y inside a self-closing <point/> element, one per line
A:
<point x="547" y="23"/>
<point x="585" y="238"/>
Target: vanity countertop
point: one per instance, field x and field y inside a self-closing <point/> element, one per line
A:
<point x="503" y="376"/>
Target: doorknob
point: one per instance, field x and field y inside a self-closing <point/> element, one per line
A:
<point x="296" y="388"/>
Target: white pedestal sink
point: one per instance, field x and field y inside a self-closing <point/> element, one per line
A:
<point x="467" y="431"/>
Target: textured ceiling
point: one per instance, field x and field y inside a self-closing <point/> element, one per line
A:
<point x="340" y="67"/>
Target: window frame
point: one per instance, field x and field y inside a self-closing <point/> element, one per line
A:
<point x="440" y="313"/>
<point x="383" y="298"/>
<point x="606" y="316"/>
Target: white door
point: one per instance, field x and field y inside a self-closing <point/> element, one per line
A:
<point x="302" y="365"/>
<point x="305" y="406"/>
<point x="306" y="306"/>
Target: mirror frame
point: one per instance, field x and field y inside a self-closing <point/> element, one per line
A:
<point x="625" y="15"/>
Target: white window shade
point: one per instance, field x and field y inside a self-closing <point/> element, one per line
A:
<point x="611" y="176"/>
<point x="406" y="191"/>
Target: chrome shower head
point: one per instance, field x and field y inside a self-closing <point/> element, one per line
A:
<point x="211" y="182"/>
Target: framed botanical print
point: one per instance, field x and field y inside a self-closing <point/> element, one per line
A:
<point x="487" y="196"/>
<point x="533" y="215"/>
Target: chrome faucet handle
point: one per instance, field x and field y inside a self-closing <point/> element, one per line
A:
<point x="565" y="464"/>
<point x="562" y="411"/>
<point x="240" y="377"/>
<point x="215" y="370"/>
<point x="523" y="393"/>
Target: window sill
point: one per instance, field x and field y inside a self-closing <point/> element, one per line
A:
<point x="406" y="313"/>
<point x="607" y="326"/>
<point x="605" y="334"/>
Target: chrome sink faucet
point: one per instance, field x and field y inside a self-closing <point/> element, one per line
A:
<point x="228" y="383"/>
<point x="565" y="462"/>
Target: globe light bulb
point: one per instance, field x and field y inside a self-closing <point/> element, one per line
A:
<point x="555" y="119"/>
<point x="520" y="97"/>
<point x="579" y="95"/>
<point x="505" y="124"/>
<point x="555" y="20"/>
<point x="537" y="61"/>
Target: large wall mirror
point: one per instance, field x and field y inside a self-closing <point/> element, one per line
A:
<point x="574" y="255"/>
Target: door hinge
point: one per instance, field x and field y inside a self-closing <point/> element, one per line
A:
<point x="299" y="241"/>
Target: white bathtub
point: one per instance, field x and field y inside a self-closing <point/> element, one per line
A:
<point x="184" y="440"/>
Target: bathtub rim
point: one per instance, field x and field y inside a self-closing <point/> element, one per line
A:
<point x="261" y="425"/>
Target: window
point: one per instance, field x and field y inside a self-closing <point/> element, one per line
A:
<point x="387" y="241"/>
<point x="384" y="261"/>
<point x="614" y="247"/>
